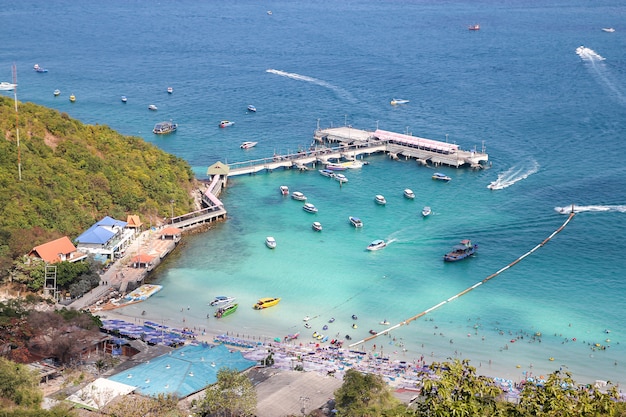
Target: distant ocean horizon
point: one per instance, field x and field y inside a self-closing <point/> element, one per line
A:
<point x="551" y="117"/>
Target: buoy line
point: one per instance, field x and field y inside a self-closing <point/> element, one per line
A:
<point x="465" y="291"/>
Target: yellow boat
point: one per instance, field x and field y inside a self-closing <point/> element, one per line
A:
<point x="72" y="98"/>
<point x="266" y="302"/>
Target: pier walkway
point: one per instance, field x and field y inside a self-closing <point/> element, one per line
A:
<point x="349" y="143"/>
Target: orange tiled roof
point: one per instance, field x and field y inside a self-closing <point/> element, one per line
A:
<point x="56" y="250"/>
<point x="132" y="220"/>
<point x="171" y="231"/>
<point x="142" y="258"/>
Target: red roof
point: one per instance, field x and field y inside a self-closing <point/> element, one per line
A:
<point x="171" y="231"/>
<point x="142" y="258"/>
<point x="133" y="220"/>
<point x="61" y="249"/>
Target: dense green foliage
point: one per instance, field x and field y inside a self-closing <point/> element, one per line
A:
<point x="19" y="385"/>
<point x="233" y="395"/>
<point x="74" y="174"/>
<point x="363" y="395"/>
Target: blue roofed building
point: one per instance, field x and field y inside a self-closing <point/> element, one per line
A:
<point x="106" y="239"/>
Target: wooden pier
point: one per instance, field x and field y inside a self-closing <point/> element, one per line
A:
<point x="349" y="143"/>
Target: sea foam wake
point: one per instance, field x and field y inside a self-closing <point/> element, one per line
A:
<point x="337" y="90"/>
<point x="595" y="208"/>
<point x="588" y="54"/>
<point x="514" y="174"/>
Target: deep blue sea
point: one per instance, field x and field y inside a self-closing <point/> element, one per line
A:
<point x="553" y="123"/>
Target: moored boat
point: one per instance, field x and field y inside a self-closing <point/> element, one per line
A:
<point x="221" y="300"/>
<point x="284" y="190"/>
<point x="426" y="211"/>
<point x="248" y="145"/>
<point x="72" y="98"/>
<point x="317" y="226"/>
<point x="335" y="166"/>
<point x="6" y="86"/>
<point x="164" y="128"/>
<point x="124" y="99"/>
<point x="397" y="101"/>
<point x="376" y="245"/>
<point x="251" y="108"/>
<point x="327" y="173"/>
<point x="170" y="90"/>
<point x="153" y="107"/>
<point x="226" y="310"/>
<point x="380" y="200"/>
<point x="297" y="195"/>
<point x="57" y="92"/>
<point x="474" y="27"/>
<point x="461" y="251"/>
<point x="310" y="208"/>
<point x="270" y="242"/>
<point x="408" y="193"/>
<point x="355" y="221"/>
<point x="266" y="302"/>
<point x="340" y="177"/>
<point x="39" y="68"/>
<point x="441" y="177"/>
<point x="226" y="123"/>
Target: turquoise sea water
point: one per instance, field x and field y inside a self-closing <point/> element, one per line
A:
<point x="552" y="123"/>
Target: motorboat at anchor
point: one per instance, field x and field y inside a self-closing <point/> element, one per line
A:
<point x="221" y="300"/>
<point x="426" y="211"/>
<point x="376" y="245"/>
<point x="39" y="68"/>
<point x="408" y="193"/>
<point x="251" y="108"/>
<point x="340" y="177"/>
<point x="355" y="221"/>
<point x="284" y="190"/>
<point x="396" y="101"/>
<point x="6" y="86"/>
<point x="327" y="173"/>
<point x="461" y="251"/>
<point x="297" y="195"/>
<point x="270" y="242"/>
<point x="379" y="199"/>
<point x="164" y="128"/>
<point x="56" y="92"/>
<point x="317" y="226"/>
<point x="248" y="145"/>
<point x="474" y="27"/>
<point x="170" y="90"/>
<point x="225" y="311"/>
<point x="266" y="303"/>
<point x="226" y="123"/>
<point x="72" y="98"/>
<point x="124" y="99"/>
<point x="441" y="177"/>
<point x="310" y="208"/>
<point x="153" y="107"/>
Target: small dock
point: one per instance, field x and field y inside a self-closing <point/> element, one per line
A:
<point x="349" y="143"/>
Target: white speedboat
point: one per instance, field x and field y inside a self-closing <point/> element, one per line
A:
<point x="495" y="185"/>
<point x="170" y="90"/>
<point x="5" y="86"/>
<point x="226" y="123"/>
<point x="340" y="177"/>
<point x="153" y="107"/>
<point x="248" y="145"/>
<point x="270" y="242"/>
<point x="308" y="207"/>
<point x="408" y="193"/>
<point x="124" y="99"/>
<point x="317" y="226"/>
<point x="56" y="92"/>
<point x="380" y="200"/>
<point x="608" y="30"/>
<point x="221" y="300"/>
<point x="396" y="101"/>
<point x="327" y="173"/>
<point x="164" y="128"/>
<point x="284" y="190"/>
<point x="251" y="108"/>
<point x="426" y="211"/>
<point x="377" y="244"/>
<point x="355" y="221"/>
<point x="441" y="177"/>
<point x="297" y="195"/>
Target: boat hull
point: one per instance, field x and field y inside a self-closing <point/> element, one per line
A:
<point x="225" y="311"/>
<point x="266" y="303"/>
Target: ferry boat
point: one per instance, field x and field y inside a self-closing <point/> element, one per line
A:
<point x="380" y="200"/>
<point x="327" y="173"/>
<point x="310" y="208"/>
<point x="284" y="190"/>
<point x="408" y="193"/>
<point x="270" y="242"/>
<point x="248" y="145"/>
<point x="376" y="245"/>
<point x="221" y="300"/>
<point x="317" y="226"/>
<point x="441" y="177"/>
<point x="164" y="128"/>
<point x="266" y="302"/>
<point x="461" y="251"/>
<point x="226" y="310"/>
<point x="226" y="123"/>
<point x="355" y="221"/>
<point x="297" y="195"/>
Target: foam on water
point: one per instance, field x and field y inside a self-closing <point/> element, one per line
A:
<point x="514" y="174"/>
<point x="337" y="90"/>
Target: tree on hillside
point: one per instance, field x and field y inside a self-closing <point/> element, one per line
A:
<point x="19" y="385"/>
<point x="363" y="395"/>
<point x="233" y="395"/>
<point x="138" y="406"/>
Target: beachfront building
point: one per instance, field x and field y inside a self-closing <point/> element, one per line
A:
<point x="58" y="250"/>
<point x="107" y="239"/>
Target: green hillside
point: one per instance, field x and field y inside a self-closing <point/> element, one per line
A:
<point x="73" y="174"/>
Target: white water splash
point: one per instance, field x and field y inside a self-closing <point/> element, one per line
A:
<point x="337" y="90"/>
<point x="512" y="175"/>
<point x="592" y="208"/>
<point x="588" y="54"/>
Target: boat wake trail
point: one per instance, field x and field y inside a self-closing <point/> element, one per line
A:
<point x="594" y="60"/>
<point x="337" y="90"/>
<point x="594" y="208"/>
<point x="514" y="174"/>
